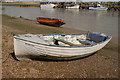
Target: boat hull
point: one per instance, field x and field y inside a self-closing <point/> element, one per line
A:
<point x="47" y="6"/>
<point x="49" y="21"/>
<point x="51" y="24"/>
<point x="32" y="50"/>
<point x="73" y="7"/>
<point x="98" y="8"/>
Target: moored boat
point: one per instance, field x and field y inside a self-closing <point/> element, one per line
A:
<point x="58" y="46"/>
<point x="48" y="6"/>
<point x="98" y="7"/>
<point x="73" y="7"/>
<point x="50" y="21"/>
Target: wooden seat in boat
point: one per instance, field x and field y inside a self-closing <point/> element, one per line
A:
<point x="66" y="42"/>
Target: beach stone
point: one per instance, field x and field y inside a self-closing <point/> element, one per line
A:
<point x="32" y="70"/>
<point x="24" y="69"/>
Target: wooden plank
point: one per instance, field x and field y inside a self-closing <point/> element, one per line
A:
<point x="68" y="43"/>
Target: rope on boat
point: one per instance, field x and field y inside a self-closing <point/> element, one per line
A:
<point x="6" y="58"/>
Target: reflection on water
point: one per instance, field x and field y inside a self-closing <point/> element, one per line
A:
<point x="89" y="20"/>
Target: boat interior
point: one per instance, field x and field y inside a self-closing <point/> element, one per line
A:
<point x="75" y="39"/>
<point x="85" y="39"/>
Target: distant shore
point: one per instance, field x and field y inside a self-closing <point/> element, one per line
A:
<point x="83" y="5"/>
<point x="103" y="64"/>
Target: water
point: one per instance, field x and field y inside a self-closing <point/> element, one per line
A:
<point x="88" y="20"/>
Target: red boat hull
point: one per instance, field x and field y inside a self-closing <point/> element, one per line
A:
<point x="50" y="21"/>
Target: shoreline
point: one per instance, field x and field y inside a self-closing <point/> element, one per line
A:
<point x="103" y="64"/>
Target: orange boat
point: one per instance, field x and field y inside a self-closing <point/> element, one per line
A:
<point x="50" y="21"/>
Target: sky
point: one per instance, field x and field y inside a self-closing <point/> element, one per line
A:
<point x="67" y="0"/>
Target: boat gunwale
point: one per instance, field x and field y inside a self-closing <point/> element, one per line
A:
<point x="47" y="18"/>
<point x="108" y="38"/>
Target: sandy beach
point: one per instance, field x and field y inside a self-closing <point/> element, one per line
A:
<point x="102" y="64"/>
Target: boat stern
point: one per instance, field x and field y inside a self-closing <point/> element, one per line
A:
<point x="61" y="22"/>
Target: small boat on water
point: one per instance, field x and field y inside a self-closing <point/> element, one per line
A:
<point x="58" y="46"/>
<point x="50" y="21"/>
<point x="98" y="7"/>
<point x="73" y="7"/>
<point x="48" y="6"/>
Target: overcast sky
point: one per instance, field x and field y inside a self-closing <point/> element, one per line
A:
<point x="66" y="0"/>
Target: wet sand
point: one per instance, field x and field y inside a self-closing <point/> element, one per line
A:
<point x="102" y="64"/>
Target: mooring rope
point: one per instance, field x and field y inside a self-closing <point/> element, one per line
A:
<point x="6" y="58"/>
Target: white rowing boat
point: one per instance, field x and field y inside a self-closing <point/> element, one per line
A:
<point x="59" y="46"/>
